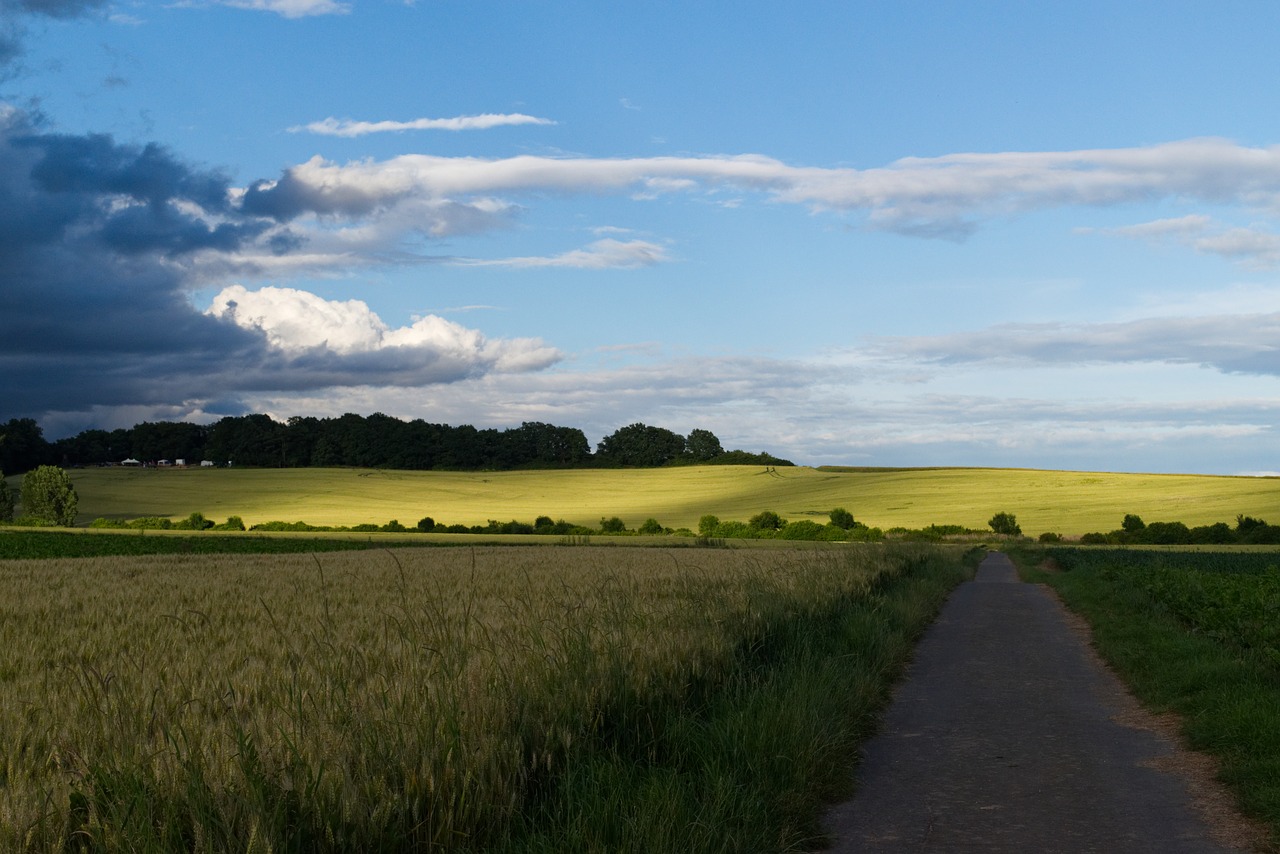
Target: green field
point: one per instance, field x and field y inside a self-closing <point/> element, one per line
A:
<point x="1065" y="502"/>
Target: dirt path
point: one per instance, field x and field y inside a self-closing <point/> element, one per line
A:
<point x="1009" y="735"/>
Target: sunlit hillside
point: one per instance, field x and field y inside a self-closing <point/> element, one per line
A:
<point x="1065" y="502"/>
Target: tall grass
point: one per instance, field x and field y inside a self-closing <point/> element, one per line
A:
<point x="468" y="699"/>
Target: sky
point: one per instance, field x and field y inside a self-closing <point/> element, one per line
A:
<point x="847" y="233"/>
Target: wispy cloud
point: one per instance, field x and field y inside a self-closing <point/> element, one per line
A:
<point x="599" y="255"/>
<point x="941" y="197"/>
<point x="1249" y="245"/>
<point x="484" y="121"/>
<point x="292" y="8"/>
<point x="1228" y="343"/>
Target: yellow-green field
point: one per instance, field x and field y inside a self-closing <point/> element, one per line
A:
<point x="1064" y="502"/>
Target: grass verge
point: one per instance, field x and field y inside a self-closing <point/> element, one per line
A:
<point x="1166" y="628"/>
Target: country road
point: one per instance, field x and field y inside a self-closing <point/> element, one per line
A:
<point x="1008" y="734"/>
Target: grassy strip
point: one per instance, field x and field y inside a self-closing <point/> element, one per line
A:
<point x="749" y="764"/>
<point x="1227" y="695"/>
<point x="35" y="545"/>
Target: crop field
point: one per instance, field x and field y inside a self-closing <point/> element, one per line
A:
<point x="551" y="698"/>
<point x="1069" y="503"/>
<point x="1196" y="633"/>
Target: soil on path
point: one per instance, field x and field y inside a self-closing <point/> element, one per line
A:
<point x="1009" y="735"/>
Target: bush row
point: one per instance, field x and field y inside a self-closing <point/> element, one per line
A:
<point x="764" y="525"/>
<point x="1133" y="531"/>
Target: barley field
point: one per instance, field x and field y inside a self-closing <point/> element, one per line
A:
<point x="408" y="700"/>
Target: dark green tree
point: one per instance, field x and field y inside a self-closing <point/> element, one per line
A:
<point x="1132" y="523"/>
<point x="47" y="494"/>
<point x="842" y="518"/>
<point x="766" y="520"/>
<point x="1006" y="524"/>
<point x="702" y="446"/>
<point x="22" y="446"/>
<point x="641" y="445"/>
<point x="650" y="526"/>
<point x="6" y="500"/>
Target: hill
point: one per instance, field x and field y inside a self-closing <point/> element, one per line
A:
<point x="1061" y="501"/>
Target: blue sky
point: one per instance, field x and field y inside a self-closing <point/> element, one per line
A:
<point x="847" y="233"/>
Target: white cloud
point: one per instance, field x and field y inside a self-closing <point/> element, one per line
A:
<point x="937" y="197"/>
<point x="485" y="121"/>
<point x="292" y="8"/>
<point x="1251" y="246"/>
<point x="306" y="328"/>
<point x="600" y="255"/>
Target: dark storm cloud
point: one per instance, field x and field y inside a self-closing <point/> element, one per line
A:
<point x="93" y="309"/>
<point x="100" y="245"/>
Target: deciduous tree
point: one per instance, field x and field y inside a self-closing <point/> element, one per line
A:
<point x="47" y="494"/>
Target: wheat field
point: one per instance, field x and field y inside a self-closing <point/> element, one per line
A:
<point x="209" y="703"/>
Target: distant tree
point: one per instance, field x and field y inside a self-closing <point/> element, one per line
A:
<point x="1132" y="523"/>
<point x="707" y="525"/>
<point x="842" y="518"/>
<point x="1005" y="523"/>
<point x="641" y="445"/>
<point x="702" y="446"/>
<point x="6" y="500"/>
<point x="766" y="520"/>
<point x="426" y="524"/>
<point x="22" y="446"/>
<point x="47" y="494"/>
<point x="650" y="526"/>
<point x="612" y="525"/>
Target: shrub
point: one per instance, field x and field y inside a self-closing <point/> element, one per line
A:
<point x="394" y="527"/>
<point x="1050" y="537"/>
<point x="612" y="525"/>
<point x="766" y="520"/>
<point x="803" y="529"/>
<point x="150" y="523"/>
<point x="194" y="522"/>
<point x="650" y="526"/>
<point x="47" y="494"/>
<point x="1005" y="524"/>
<point x="741" y="530"/>
<point x="842" y="518"/>
<point x="233" y="523"/>
<point x="1094" y="539"/>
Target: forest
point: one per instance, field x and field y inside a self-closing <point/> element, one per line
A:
<point x="375" y="441"/>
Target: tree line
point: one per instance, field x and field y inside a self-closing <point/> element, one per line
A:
<point x="376" y="441"/>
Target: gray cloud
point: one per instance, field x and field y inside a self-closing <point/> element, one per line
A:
<point x="1240" y="343"/>
<point x="100" y="244"/>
